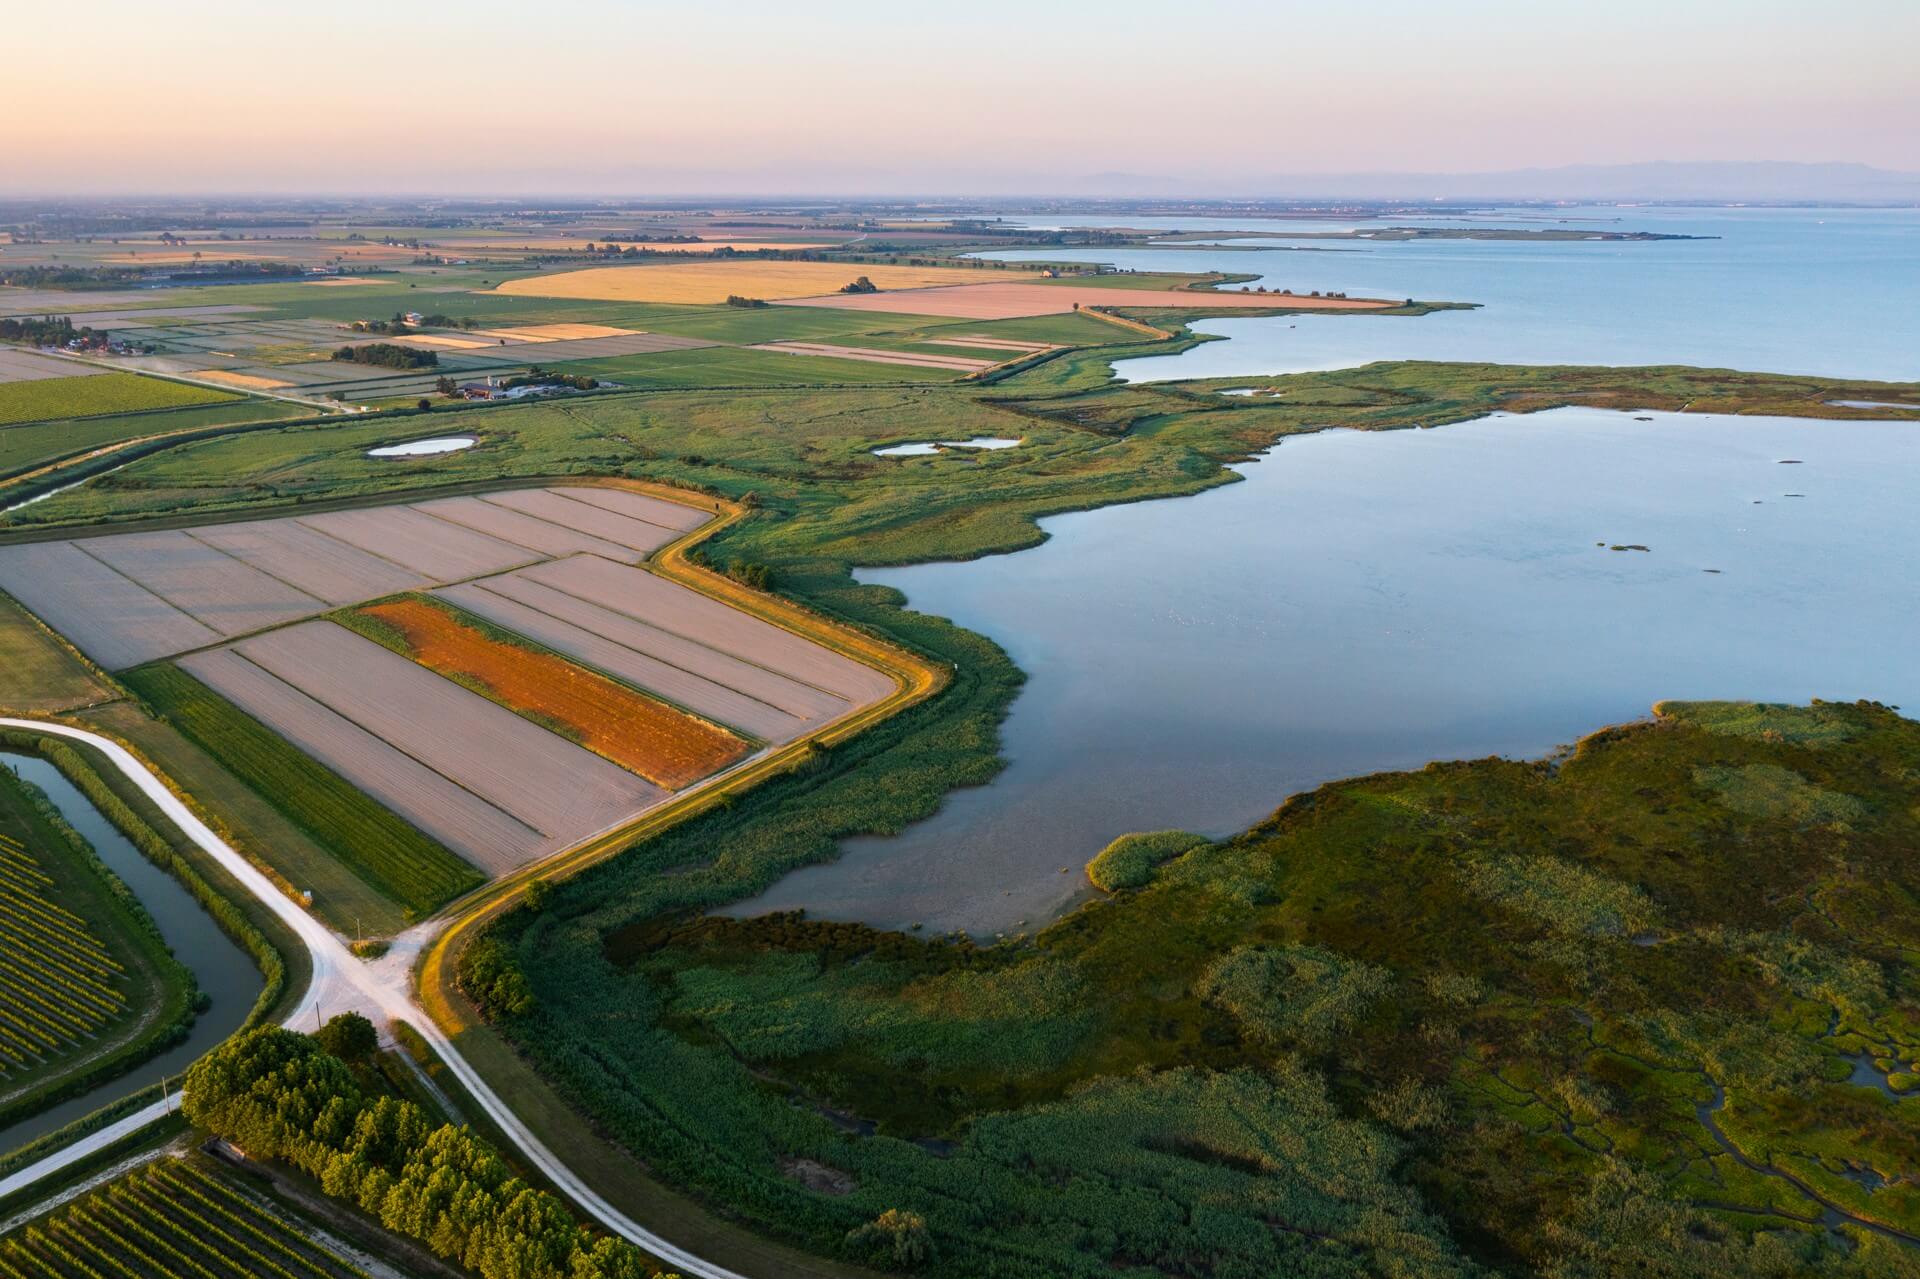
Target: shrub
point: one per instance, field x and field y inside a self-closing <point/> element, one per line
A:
<point x="1129" y="861"/>
<point x="894" y="1238"/>
<point x="491" y="977"/>
<point x="1293" y="994"/>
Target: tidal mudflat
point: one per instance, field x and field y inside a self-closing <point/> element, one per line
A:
<point x="1374" y="601"/>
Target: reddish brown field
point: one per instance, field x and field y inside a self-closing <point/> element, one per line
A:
<point x="660" y="743"/>
<point x="1009" y="301"/>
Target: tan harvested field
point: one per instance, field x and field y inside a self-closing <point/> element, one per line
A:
<point x="872" y="355"/>
<point x="128" y="598"/>
<point x="324" y="567"/>
<point x="439" y="341"/>
<point x="336" y="281"/>
<point x="554" y="332"/>
<point x="247" y="381"/>
<point x="687" y="613"/>
<point x="1012" y="301"/>
<point x="712" y="282"/>
<point x="17" y="365"/>
<point x="557" y="508"/>
<point x="489" y="837"/>
<point x="415" y="540"/>
<point x="204" y="582"/>
<point x="114" y="621"/>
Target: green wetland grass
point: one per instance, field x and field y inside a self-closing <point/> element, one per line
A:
<point x="1435" y="1022"/>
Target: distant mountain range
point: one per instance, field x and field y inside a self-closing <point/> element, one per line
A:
<point x="1717" y="182"/>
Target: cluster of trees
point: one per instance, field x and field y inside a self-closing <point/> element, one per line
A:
<point x="70" y="277"/>
<point x="734" y="299"/>
<point x="278" y="1094"/>
<point x="537" y="376"/>
<point x="46" y="331"/>
<point x="399" y="327"/>
<point x="388" y="356"/>
<point x="861" y="285"/>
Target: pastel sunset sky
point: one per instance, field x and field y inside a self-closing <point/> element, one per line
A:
<point x="986" y="97"/>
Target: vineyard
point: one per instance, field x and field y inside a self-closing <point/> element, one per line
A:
<point x="661" y="743"/>
<point x="414" y="870"/>
<point x="58" y="984"/>
<point x="170" y="1220"/>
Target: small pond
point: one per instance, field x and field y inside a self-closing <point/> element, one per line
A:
<point x="426" y="448"/>
<point x="928" y="448"/>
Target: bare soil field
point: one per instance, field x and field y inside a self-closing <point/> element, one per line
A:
<point x="129" y="598"/>
<point x="635" y="534"/>
<point x="110" y="618"/>
<point x="713" y="282"/>
<point x="509" y="525"/>
<point x="415" y="540"/>
<point x="641" y="733"/>
<point x="870" y="355"/>
<point x="691" y="615"/>
<point x="992" y="344"/>
<point x="210" y="586"/>
<point x="653" y="510"/>
<point x="545" y="781"/>
<point x="489" y="837"/>
<point x="17" y="365"/>
<point x="324" y="567"/>
<point x="724" y="689"/>
<point x="1012" y="300"/>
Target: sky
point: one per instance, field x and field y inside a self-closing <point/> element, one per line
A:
<point x="855" y="97"/>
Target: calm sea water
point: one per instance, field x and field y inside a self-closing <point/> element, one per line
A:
<point x="1375" y="601"/>
<point x="1826" y="291"/>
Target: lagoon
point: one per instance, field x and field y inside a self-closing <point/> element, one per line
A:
<point x="1368" y="601"/>
<point x="1820" y="291"/>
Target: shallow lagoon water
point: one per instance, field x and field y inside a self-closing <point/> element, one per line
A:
<point x="929" y="448"/>
<point x="1823" y="291"/>
<point x="1368" y="601"/>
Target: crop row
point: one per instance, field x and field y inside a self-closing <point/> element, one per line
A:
<point x="169" y="1220"/>
<point x="394" y="857"/>
<point x="58" y="985"/>
<point x="102" y="393"/>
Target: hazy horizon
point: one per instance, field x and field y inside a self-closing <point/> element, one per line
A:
<point x="217" y="97"/>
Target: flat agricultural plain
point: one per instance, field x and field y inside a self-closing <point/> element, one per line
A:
<point x="129" y="598"/>
<point x="713" y="282"/>
<point x="495" y="671"/>
<point x="1012" y="300"/>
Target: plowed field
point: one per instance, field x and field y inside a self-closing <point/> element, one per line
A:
<point x="660" y="743"/>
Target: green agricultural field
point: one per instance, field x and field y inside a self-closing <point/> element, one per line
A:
<point x="175" y="1218"/>
<point x="735" y="366"/>
<point x="96" y="395"/>
<point x="24" y="448"/>
<point x="88" y="989"/>
<point x="38" y="672"/>
<point x="406" y="865"/>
